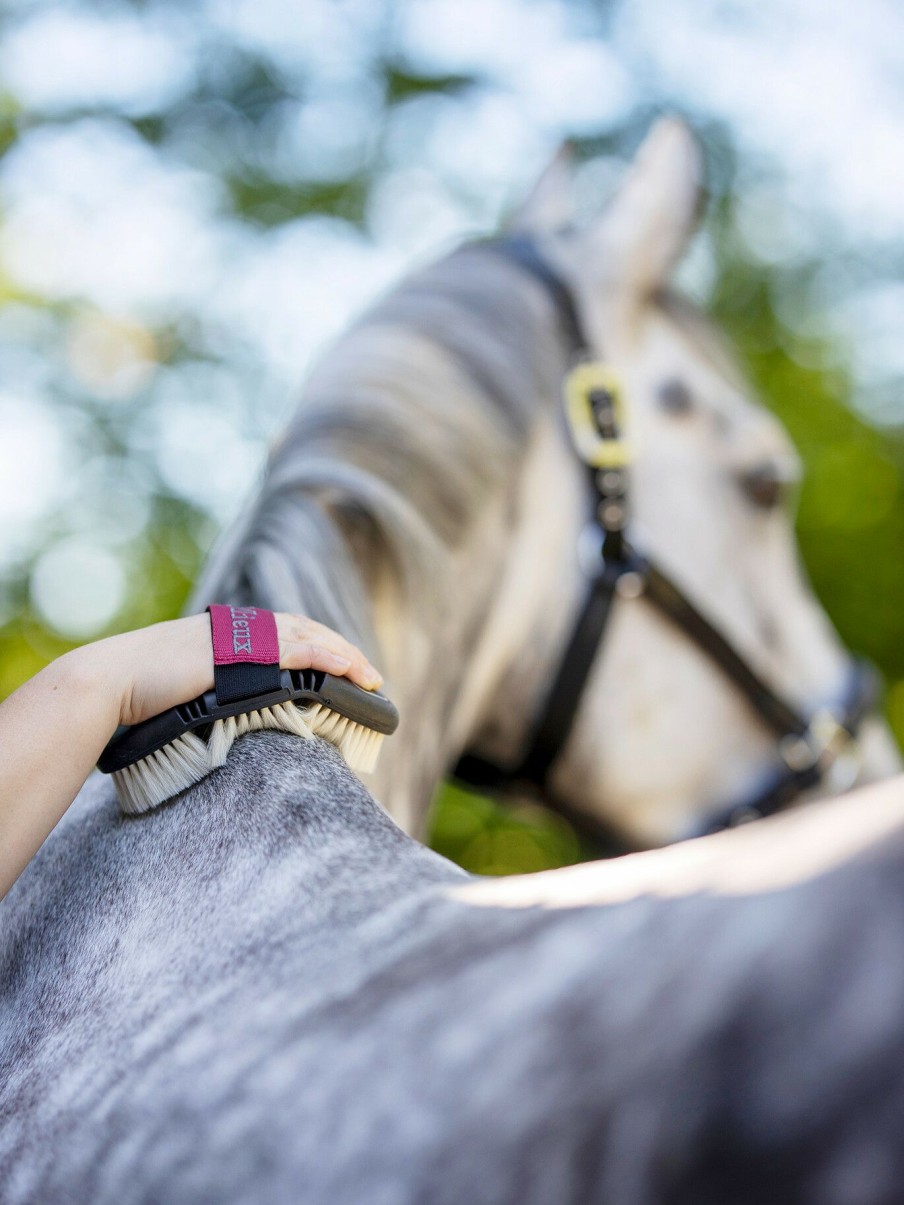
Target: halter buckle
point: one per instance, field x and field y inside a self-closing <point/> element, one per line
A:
<point x="824" y="742"/>
<point x="594" y="408"/>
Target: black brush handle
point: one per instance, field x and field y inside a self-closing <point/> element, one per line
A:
<point x="366" y="707"/>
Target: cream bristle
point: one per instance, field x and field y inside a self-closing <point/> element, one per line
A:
<point x="161" y="775"/>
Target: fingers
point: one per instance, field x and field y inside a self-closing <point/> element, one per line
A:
<point x="306" y="644"/>
<point x="307" y="655"/>
<point x="327" y="639"/>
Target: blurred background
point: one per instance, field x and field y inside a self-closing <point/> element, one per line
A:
<point x="195" y="196"/>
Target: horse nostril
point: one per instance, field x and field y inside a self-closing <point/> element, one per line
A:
<point x="764" y="485"/>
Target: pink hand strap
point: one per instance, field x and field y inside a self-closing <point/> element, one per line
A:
<point x="245" y="652"/>
<point x="243" y="634"/>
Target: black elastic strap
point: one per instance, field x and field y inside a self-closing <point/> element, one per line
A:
<point x="244" y="680"/>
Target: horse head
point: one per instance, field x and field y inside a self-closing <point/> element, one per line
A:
<point x="664" y="741"/>
<point x="427" y="500"/>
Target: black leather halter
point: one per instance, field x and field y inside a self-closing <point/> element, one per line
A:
<point x="808" y="745"/>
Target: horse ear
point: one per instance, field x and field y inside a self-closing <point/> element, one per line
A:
<point x="645" y="228"/>
<point x="550" y="204"/>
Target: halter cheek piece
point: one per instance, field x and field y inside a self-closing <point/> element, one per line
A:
<point x="808" y="746"/>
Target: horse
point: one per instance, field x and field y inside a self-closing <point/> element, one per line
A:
<point x="426" y="499"/>
<point x="268" y="990"/>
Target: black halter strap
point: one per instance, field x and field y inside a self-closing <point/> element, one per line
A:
<point x="808" y="745"/>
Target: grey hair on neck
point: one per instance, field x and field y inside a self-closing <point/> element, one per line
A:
<point x="408" y="424"/>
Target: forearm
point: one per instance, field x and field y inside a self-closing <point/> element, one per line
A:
<point x="52" y="731"/>
<point x="54" y="728"/>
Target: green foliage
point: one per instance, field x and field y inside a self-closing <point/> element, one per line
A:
<point x="402" y="83"/>
<point x="850" y="521"/>
<point x="261" y="200"/>
<point x="487" y="838"/>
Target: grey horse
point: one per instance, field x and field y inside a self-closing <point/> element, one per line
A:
<point x="426" y="501"/>
<point x="267" y="991"/>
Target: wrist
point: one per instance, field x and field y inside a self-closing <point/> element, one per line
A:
<point x="92" y="676"/>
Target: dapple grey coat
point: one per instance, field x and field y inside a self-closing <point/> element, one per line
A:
<point x="267" y="993"/>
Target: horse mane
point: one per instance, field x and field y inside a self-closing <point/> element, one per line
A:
<point x="406" y="426"/>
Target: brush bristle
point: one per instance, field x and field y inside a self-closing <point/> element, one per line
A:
<point x="159" y="776"/>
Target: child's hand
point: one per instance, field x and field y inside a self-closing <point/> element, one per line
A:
<point x="155" y="668"/>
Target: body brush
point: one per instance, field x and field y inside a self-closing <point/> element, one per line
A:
<point x="152" y="761"/>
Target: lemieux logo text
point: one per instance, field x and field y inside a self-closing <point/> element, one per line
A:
<point x="241" y="628"/>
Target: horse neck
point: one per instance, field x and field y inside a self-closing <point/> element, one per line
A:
<point x="420" y="633"/>
<point x="539" y="588"/>
<point x="282" y="848"/>
<point x="391" y="504"/>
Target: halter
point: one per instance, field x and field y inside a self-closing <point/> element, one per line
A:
<point x="807" y="745"/>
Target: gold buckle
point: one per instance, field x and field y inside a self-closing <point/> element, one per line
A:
<point x="586" y="378"/>
<point x="824" y="742"/>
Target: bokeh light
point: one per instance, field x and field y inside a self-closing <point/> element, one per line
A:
<point x="77" y="587"/>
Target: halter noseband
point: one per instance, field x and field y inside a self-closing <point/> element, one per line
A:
<point x="808" y="745"/>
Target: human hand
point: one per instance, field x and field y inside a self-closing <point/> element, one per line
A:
<point x="54" y="727"/>
<point x="152" y="669"/>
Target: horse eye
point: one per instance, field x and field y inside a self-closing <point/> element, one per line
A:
<point x="675" y="398"/>
<point x="764" y="485"/>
